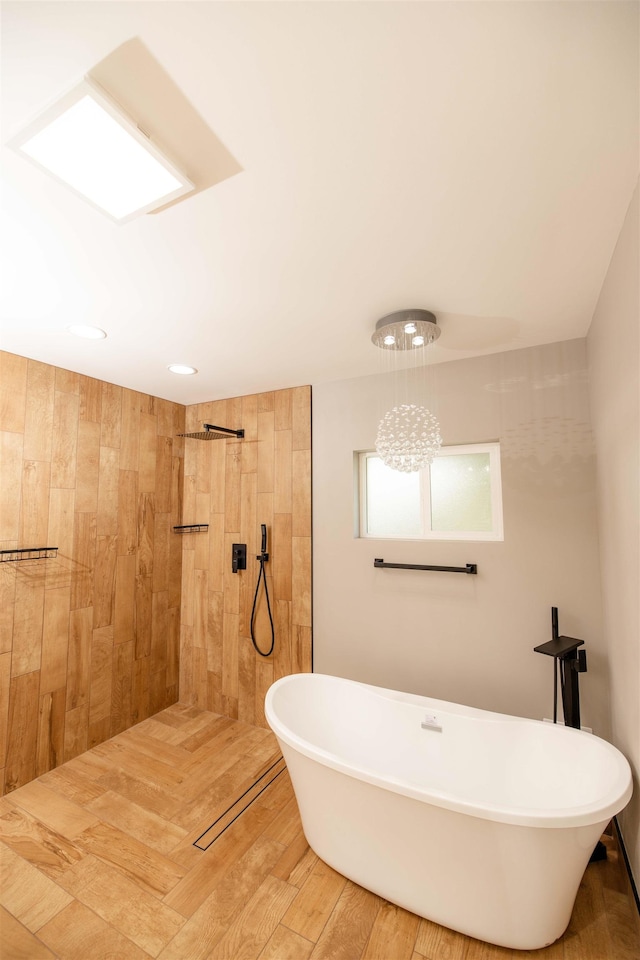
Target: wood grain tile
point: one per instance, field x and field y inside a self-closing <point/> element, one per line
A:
<point x="84" y="555"/>
<point x="301" y="502"/>
<point x="67" y="381"/>
<point x="301" y="417"/>
<point x="18" y="942"/>
<point x="151" y="870"/>
<point x="127" y="512"/>
<point x="22" y="730"/>
<point x="63" y="816"/>
<point x="79" y="657"/>
<point x="110" y="415"/>
<point x="34" y="504"/>
<point x="88" y="460"/>
<point x="37" y="843"/>
<point x="76" y="930"/>
<point x="124" y="604"/>
<point x="130" y="431"/>
<point x="28" y="620"/>
<point x="38" y="426"/>
<point x="108" y="484"/>
<point x="315" y="902"/>
<point x="7" y="605"/>
<point x="27" y="893"/>
<point x="5" y="683"/>
<point x="13" y="392"/>
<point x="123" y="904"/>
<point x="65" y="440"/>
<point x="76" y="731"/>
<point x="349" y="926"/>
<point x="393" y="934"/>
<point x="432" y="940"/>
<point x="55" y="639"/>
<point x="100" y="673"/>
<point x="147" y="453"/>
<point x="233" y="889"/>
<point x="51" y="724"/>
<point x="248" y="934"/>
<point x="283" y="473"/>
<point x="144" y="825"/>
<point x="284" y="944"/>
<point x="90" y="391"/>
<point x="61" y="520"/>
<point x="301" y="581"/>
<point x="11" y="457"/>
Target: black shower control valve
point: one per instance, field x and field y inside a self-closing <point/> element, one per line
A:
<point x="238" y="557"/>
<point x="580" y="663"/>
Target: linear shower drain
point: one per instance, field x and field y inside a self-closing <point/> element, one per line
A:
<point x="239" y="805"/>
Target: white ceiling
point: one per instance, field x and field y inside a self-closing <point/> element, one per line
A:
<point x="476" y="159"/>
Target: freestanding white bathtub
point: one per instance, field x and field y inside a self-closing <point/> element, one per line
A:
<point x="478" y="821"/>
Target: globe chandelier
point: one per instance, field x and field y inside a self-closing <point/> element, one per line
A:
<point x="408" y="437"/>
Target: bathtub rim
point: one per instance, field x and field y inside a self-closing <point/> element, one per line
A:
<point x="549" y="818"/>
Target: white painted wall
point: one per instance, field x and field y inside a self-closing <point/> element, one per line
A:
<point x="464" y="638"/>
<point x="614" y="379"/>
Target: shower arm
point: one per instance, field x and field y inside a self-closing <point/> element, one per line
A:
<point x="211" y="432"/>
<point x="232" y="433"/>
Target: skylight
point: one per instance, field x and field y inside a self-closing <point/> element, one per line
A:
<point x="87" y="142"/>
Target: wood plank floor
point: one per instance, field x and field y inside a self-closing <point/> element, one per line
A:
<point x="98" y="862"/>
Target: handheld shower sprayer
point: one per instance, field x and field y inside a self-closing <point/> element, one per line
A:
<point x="262" y="557"/>
<point x="263" y="545"/>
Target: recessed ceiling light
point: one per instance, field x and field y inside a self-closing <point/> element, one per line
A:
<point x="181" y="368"/>
<point x="84" y="330"/>
<point x="86" y="141"/>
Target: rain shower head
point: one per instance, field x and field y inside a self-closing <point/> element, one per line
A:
<point x="211" y="432"/>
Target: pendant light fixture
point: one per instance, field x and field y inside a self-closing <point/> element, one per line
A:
<point x="408" y="437"/>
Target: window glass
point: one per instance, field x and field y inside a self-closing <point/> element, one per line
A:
<point x="461" y="492"/>
<point x="459" y="497"/>
<point x="393" y="501"/>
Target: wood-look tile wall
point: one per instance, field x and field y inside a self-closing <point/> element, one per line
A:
<point x="235" y="486"/>
<point x="89" y="641"/>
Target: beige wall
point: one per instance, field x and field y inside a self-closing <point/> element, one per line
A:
<point x="465" y="638"/>
<point x="89" y="641"/>
<point x="235" y="486"/>
<point x="614" y="362"/>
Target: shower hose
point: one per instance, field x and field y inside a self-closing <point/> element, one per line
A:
<point x="262" y="575"/>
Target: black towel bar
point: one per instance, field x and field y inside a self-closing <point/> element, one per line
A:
<point x="469" y="568"/>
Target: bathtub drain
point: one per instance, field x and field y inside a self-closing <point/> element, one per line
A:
<point x="239" y="805"/>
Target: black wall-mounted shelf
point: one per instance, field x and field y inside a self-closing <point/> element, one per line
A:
<point x="192" y="528"/>
<point x="469" y="568"/>
<point x="28" y="553"/>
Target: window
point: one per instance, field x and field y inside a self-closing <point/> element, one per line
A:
<point x="459" y="497"/>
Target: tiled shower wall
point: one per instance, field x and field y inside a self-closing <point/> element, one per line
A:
<point x="234" y="486"/>
<point x="89" y="641"/>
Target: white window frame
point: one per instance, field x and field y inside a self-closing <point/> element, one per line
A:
<point x="496" y="534"/>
